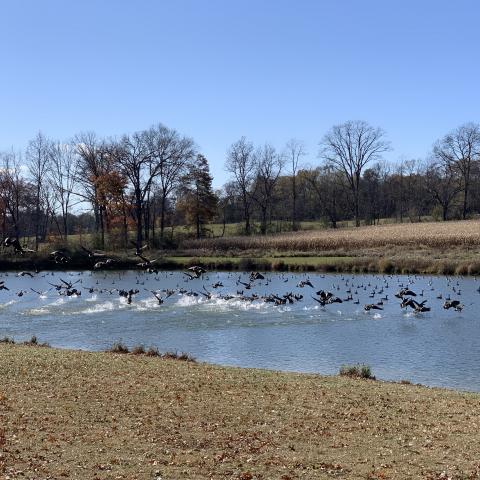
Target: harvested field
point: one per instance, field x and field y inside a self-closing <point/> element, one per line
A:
<point x="431" y="235"/>
<point x="72" y="414"/>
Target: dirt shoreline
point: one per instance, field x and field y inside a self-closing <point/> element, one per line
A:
<point x="77" y="414"/>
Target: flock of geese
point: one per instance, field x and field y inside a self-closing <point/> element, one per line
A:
<point x="344" y="291"/>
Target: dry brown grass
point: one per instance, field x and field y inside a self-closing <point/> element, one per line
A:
<point x="430" y="248"/>
<point x="434" y="235"/>
<point x="83" y="415"/>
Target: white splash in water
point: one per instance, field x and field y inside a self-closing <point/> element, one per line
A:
<point x="99" y="307"/>
<point x="7" y="304"/>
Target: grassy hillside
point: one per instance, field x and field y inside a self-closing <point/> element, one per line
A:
<point x="72" y="414"/>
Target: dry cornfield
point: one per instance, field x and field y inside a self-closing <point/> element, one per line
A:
<point x="436" y="235"/>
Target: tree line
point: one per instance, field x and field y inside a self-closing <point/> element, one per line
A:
<point x="352" y="181"/>
<point x="143" y="184"/>
<point x="130" y="184"/>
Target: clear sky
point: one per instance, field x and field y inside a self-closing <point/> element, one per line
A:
<point x="219" y="69"/>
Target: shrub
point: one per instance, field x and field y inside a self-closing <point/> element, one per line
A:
<point x="118" y="347"/>
<point x="33" y="342"/>
<point x="386" y="266"/>
<point x="138" y="350"/>
<point x="356" y="371"/>
<point x="7" y="340"/>
<point x="178" y="356"/>
<point x="152" y="352"/>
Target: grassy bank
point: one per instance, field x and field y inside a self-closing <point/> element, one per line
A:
<point x="70" y="414"/>
<point x="455" y="261"/>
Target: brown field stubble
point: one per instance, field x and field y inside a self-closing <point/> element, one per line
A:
<point x="434" y="235"/>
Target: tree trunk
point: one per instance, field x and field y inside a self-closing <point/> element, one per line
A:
<point x="138" y="215"/>
<point x="246" y="214"/>
<point x="224" y="223"/>
<point x="65" y="225"/>
<point x="465" y="196"/>
<point x="162" y="215"/>
<point x="125" y="225"/>
<point x="247" y="225"/>
<point x="357" y="213"/>
<point x="154" y="219"/>
<point x="294" y="204"/>
<point x="102" y="227"/>
<point x="263" y="227"/>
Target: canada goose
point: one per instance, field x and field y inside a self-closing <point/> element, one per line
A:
<point x="405" y="292"/>
<point x="371" y="306"/>
<point x="22" y="274"/>
<point x="455" y="304"/>
<point x="246" y="285"/>
<point x="198" y="270"/>
<point x="303" y="283"/>
<point x="191" y="276"/>
<point x="320" y="301"/>
<point x="103" y="264"/>
<point x="39" y="293"/>
<point x="324" y="295"/>
<point x="92" y="254"/>
<point x="138" y="248"/>
<point x="158" y="297"/>
<point x="256" y="276"/>
<point x="418" y="307"/>
<point x="60" y="257"/>
<point x="207" y="294"/>
<point x="15" y="243"/>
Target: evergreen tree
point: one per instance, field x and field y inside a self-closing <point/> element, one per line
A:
<point x="197" y="200"/>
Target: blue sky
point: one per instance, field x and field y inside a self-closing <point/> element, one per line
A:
<point x="216" y="70"/>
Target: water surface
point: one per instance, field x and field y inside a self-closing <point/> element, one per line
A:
<point x="438" y="348"/>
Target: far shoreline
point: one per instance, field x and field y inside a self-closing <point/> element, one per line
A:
<point x="428" y="262"/>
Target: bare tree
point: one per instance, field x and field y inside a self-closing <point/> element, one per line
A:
<point x="241" y="164"/>
<point x="294" y="151"/>
<point x="269" y="166"/>
<point x="15" y="193"/>
<point x="459" y="150"/>
<point x="172" y="155"/>
<point x="37" y="156"/>
<point x="443" y="184"/>
<point x="96" y="166"/>
<point x="328" y="187"/>
<point x="63" y="175"/>
<point x="133" y="155"/>
<point x="348" y="148"/>
<point x="156" y="152"/>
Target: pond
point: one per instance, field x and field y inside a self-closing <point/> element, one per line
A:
<point x="218" y="319"/>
